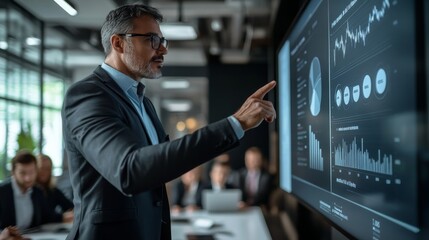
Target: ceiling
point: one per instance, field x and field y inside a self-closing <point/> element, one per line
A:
<point x="243" y="36"/>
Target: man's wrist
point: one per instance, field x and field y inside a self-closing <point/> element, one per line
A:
<point x="236" y="126"/>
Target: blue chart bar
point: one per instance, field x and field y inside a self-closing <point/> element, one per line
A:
<point x="316" y="159"/>
<point x="354" y="157"/>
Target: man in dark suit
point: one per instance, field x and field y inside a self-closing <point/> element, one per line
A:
<point x="219" y="175"/>
<point x="254" y="181"/>
<point x="119" y="155"/>
<point x="21" y="203"/>
<point x="186" y="193"/>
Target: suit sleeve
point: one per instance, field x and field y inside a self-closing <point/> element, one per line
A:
<point x="62" y="200"/>
<point x="96" y="124"/>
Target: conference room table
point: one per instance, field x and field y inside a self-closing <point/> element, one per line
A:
<point x="246" y="224"/>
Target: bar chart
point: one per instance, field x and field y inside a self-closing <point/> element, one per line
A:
<point x="315" y="152"/>
<point x="354" y="156"/>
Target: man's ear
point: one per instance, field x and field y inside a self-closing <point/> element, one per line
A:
<point x="117" y="43"/>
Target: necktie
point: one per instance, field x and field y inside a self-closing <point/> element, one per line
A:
<point x="140" y="88"/>
<point x="149" y="116"/>
<point x="157" y="196"/>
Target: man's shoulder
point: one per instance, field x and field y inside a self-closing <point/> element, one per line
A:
<point x="5" y="184"/>
<point x="6" y="188"/>
<point x="90" y="78"/>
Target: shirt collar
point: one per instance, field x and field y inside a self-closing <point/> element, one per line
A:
<point x="254" y="173"/>
<point x="17" y="190"/>
<point x="125" y="82"/>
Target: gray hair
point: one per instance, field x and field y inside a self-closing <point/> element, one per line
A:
<point x="120" y="20"/>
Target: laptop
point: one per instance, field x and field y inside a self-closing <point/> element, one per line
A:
<point x="221" y="200"/>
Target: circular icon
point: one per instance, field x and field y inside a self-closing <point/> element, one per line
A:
<point x="356" y="93"/>
<point x="315" y="88"/>
<point x="338" y="97"/>
<point x="366" y="86"/>
<point x="346" y="95"/>
<point x="381" y="81"/>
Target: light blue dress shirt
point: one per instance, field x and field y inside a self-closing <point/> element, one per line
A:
<point x="129" y="86"/>
<point x="24" y="208"/>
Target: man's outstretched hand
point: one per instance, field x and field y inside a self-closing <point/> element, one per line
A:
<point x="255" y="109"/>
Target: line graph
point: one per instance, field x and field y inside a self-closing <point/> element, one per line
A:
<point x="359" y="34"/>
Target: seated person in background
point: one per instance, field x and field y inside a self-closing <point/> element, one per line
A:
<point x="187" y="191"/>
<point x="254" y="181"/>
<point x="21" y="203"/>
<point x="218" y="176"/>
<point x="54" y="197"/>
<point x="224" y="159"/>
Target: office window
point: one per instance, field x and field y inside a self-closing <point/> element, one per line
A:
<point x="3" y="128"/>
<point x="30" y="86"/>
<point x="24" y="36"/>
<point x="21" y="118"/>
<point x="15" y="36"/>
<point x="3" y="40"/>
<point x="53" y="93"/>
<point x="21" y="105"/>
<point x="22" y="84"/>
<point x="2" y="77"/>
<point x="12" y="82"/>
<point x="53" y="146"/>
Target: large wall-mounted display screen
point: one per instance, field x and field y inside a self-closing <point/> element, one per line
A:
<point x="349" y="115"/>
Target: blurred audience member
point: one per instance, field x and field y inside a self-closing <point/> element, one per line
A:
<point x="54" y="197"/>
<point x="226" y="159"/>
<point x="254" y="181"/>
<point x="187" y="191"/>
<point x="218" y="176"/>
<point x="21" y="203"/>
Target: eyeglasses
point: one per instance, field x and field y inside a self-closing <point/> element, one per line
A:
<point x="155" y="40"/>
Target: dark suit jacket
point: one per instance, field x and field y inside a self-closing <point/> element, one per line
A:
<point x="42" y="214"/>
<point x="117" y="175"/>
<point x="179" y="194"/>
<point x="264" y="188"/>
<point x="57" y="201"/>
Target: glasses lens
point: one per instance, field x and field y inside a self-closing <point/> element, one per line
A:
<point x="156" y="42"/>
<point x="164" y="42"/>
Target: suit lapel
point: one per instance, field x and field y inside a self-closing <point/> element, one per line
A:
<point x="12" y="210"/>
<point x="111" y="84"/>
<point x="150" y="109"/>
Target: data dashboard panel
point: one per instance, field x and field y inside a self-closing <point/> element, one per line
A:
<point x="350" y="114"/>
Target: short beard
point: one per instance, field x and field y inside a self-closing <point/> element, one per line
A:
<point x="132" y="61"/>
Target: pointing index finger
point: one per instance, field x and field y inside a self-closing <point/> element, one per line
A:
<point x="260" y="93"/>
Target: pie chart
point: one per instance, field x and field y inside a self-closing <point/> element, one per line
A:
<point x="315" y="86"/>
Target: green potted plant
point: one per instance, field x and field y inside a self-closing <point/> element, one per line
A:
<point x="25" y="140"/>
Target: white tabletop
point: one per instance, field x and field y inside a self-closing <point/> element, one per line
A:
<point x="247" y="224"/>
